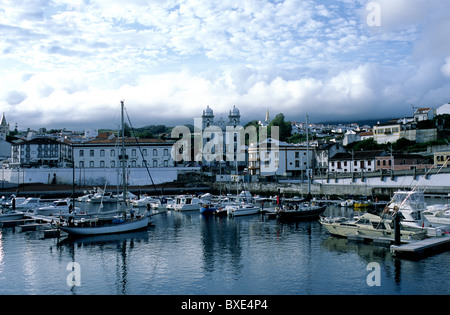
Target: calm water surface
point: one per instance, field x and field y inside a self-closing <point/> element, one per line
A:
<point x="186" y="253"/>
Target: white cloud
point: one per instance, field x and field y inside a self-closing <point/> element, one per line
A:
<point x="72" y="61"/>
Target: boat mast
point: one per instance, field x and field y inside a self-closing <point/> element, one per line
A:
<point x="308" y="170"/>
<point x="123" y="155"/>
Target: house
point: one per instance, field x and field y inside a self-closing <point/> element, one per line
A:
<point x="427" y="113"/>
<point x="272" y="157"/>
<point x="399" y="162"/>
<point x="395" y="129"/>
<point x="443" y="110"/>
<point x="355" y="161"/>
<point x="442" y="159"/>
<point x="39" y="152"/>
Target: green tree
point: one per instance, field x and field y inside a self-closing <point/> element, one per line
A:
<point x="285" y="127"/>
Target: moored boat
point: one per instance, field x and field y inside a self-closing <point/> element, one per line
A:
<point x="304" y="210"/>
<point x="372" y="226"/>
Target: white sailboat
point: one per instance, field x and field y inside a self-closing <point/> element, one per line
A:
<point x="125" y="221"/>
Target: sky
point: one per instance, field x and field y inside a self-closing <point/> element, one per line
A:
<point x="69" y="63"/>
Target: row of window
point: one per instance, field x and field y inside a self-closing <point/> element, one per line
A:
<point x="112" y="153"/>
<point x="133" y="163"/>
<point x="380" y="131"/>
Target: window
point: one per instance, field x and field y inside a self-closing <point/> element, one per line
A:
<point x="166" y="163"/>
<point x="102" y="152"/>
<point x="91" y="164"/>
<point x="297" y="162"/>
<point x="81" y="153"/>
<point x="155" y="152"/>
<point x="297" y="155"/>
<point x="102" y="163"/>
<point x="113" y="163"/>
<point x="133" y="152"/>
<point x="166" y="152"/>
<point x="144" y="152"/>
<point x="155" y="163"/>
<point x="81" y="164"/>
<point x="113" y="153"/>
<point x="91" y="153"/>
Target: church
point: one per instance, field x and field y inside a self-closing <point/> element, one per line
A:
<point x="5" y="146"/>
<point x="226" y="141"/>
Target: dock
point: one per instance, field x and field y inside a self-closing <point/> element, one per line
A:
<point x="422" y="248"/>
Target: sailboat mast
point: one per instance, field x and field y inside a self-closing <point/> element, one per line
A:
<point x="124" y="176"/>
<point x="307" y="156"/>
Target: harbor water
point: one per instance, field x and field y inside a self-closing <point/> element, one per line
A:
<point x="186" y="253"/>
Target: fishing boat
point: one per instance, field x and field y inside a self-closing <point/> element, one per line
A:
<point x="126" y="221"/>
<point x="410" y="204"/>
<point x="372" y="226"/>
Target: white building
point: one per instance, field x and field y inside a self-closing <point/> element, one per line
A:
<point x="444" y="109"/>
<point x="272" y="157"/>
<point x="106" y="153"/>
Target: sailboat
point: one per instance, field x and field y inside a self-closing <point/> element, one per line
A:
<point x="126" y="221"/>
<point x="306" y="209"/>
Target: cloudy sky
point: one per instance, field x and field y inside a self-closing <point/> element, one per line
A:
<point x="68" y="63"/>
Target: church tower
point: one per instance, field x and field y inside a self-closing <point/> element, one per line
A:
<point x="4" y="127"/>
<point x="207" y="117"/>
<point x="234" y="118"/>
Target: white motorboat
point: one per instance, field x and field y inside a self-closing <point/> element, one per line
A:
<point x="242" y="209"/>
<point x="410" y="204"/>
<point x="372" y="226"/>
<point x="187" y="203"/>
<point x="347" y="203"/>
<point x="103" y="197"/>
<point x="30" y="204"/>
<point x="438" y="214"/>
<point x="59" y="207"/>
<point x="144" y="201"/>
<point x="10" y="215"/>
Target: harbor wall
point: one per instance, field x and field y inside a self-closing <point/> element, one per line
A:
<point x="90" y="176"/>
<point x="435" y="184"/>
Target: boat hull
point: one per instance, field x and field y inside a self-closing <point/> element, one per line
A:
<point x="301" y="214"/>
<point x="243" y="211"/>
<point x="11" y="216"/>
<point x="108" y="229"/>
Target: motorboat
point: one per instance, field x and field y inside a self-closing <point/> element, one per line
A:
<point x="9" y="215"/>
<point x="347" y="203"/>
<point x="242" y="209"/>
<point x="144" y="201"/>
<point x="103" y="197"/>
<point x="372" y="226"/>
<point x="438" y="214"/>
<point x="59" y="207"/>
<point x="303" y="210"/>
<point x="410" y="204"/>
<point x="187" y="203"/>
<point x="30" y="204"/>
